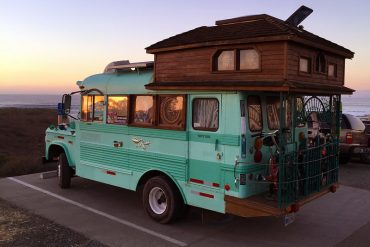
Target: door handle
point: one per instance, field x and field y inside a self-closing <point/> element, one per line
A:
<point x="117" y="144"/>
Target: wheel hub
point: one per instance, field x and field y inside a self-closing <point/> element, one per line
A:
<point x="157" y="200"/>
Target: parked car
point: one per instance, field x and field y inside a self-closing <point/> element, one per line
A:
<point x="353" y="139"/>
<point x="367" y="129"/>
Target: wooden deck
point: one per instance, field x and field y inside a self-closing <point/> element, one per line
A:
<point x="259" y="205"/>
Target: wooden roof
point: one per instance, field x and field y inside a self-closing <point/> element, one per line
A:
<point x="248" y="29"/>
<point x="268" y="86"/>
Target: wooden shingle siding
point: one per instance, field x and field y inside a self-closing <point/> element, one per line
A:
<point x="293" y="74"/>
<point x="196" y="64"/>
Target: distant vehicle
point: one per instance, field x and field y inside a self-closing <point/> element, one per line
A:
<point x="353" y="139"/>
<point x="367" y="129"/>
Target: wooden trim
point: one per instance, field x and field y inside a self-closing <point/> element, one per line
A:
<point x="285" y="72"/>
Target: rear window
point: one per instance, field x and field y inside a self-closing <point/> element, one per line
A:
<point x="355" y="122"/>
<point x="367" y="128"/>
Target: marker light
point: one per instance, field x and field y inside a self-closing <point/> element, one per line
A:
<point x="227" y="187"/>
<point x="258" y="156"/>
<point x="258" y="143"/>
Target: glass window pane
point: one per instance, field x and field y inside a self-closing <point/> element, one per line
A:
<point x="331" y="70"/>
<point x="303" y="65"/>
<point x="249" y="59"/>
<point x="273" y="112"/>
<point x="117" y="110"/>
<point x="226" y="60"/>
<point x="205" y="114"/>
<point x="254" y="113"/>
<point x="171" y="111"/>
<point x="98" y="108"/>
<point x="144" y="110"/>
<point x="86" y="108"/>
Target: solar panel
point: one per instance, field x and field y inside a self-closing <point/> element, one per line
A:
<point x="299" y="15"/>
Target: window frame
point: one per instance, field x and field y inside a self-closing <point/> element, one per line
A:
<point x="261" y="114"/>
<point x="93" y="109"/>
<point x="132" y="105"/>
<point x="128" y="108"/>
<point x="183" y="112"/>
<point x="218" y="115"/>
<point x="335" y="75"/>
<point x="217" y="53"/>
<point x="318" y="67"/>
<point x="248" y="70"/>
<point x="309" y="65"/>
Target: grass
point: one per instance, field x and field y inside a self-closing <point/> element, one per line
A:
<point x="22" y="133"/>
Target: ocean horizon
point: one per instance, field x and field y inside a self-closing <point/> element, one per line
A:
<point x="357" y="104"/>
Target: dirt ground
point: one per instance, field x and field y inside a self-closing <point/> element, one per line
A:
<point x="21" y="228"/>
<point x="22" y="140"/>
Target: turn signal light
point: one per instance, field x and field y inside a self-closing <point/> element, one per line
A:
<point x="349" y="138"/>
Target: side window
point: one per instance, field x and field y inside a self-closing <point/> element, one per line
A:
<point x="273" y="112"/>
<point x="171" y="111"/>
<point x="254" y="113"/>
<point x="92" y="108"/>
<point x="205" y="114"/>
<point x="117" y="110"/>
<point x="143" y="110"/>
<point x="249" y="59"/>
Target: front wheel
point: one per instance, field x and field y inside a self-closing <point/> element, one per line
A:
<point x="161" y="200"/>
<point x="64" y="172"/>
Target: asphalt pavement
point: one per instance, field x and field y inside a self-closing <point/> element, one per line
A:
<point x="114" y="216"/>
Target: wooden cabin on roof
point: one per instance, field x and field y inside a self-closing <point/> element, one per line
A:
<point x="258" y="52"/>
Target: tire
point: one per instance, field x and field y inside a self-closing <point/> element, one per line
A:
<point x="64" y="172"/>
<point x="161" y="200"/>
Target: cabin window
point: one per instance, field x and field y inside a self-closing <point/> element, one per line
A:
<point x="205" y="114"/>
<point x="321" y="63"/>
<point x="249" y="59"/>
<point x="254" y="113"/>
<point x="305" y="65"/>
<point x="143" y="110"/>
<point x="92" y="108"/>
<point x="171" y="111"/>
<point x="226" y="60"/>
<point x="273" y="112"/>
<point x="117" y="110"/>
<point x="332" y="70"/>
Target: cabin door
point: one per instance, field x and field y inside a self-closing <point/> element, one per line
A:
<point x="205" y="147"/>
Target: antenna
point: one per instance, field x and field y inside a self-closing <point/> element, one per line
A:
<point x="299" y="15"/>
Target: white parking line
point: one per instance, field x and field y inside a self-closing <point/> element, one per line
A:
<point x="111" y="217"/>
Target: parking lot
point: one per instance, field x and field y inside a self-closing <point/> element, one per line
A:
<point x="114" y="216"/>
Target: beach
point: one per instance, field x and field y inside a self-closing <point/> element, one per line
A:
<point x="22" y="140"/>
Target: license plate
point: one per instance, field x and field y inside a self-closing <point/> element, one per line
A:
<point x="361" y="150"/>
<point x="289" y="219"/>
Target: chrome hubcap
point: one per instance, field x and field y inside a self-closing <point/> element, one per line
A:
<point x="157" y="200"/>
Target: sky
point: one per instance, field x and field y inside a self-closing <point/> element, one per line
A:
<point x="46" y="46"/>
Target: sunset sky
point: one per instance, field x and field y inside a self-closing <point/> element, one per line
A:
<point x="46" y="46"/>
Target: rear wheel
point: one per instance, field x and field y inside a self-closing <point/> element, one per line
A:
<point x="161" y="200"/>
<point x="64" y="172"/>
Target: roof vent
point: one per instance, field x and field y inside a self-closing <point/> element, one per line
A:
<point x="298" y="16"/>
<point x="126" y="65"/>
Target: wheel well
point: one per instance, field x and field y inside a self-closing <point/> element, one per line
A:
<point x="55" y="151"/>
<point x="151" y="174"/>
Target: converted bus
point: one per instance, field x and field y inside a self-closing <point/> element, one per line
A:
<point x="222" y="120"/>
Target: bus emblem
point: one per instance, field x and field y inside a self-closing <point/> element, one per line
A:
<point x="140" y="143"/>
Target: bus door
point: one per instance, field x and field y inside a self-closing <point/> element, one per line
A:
<point x="206" y="151"/>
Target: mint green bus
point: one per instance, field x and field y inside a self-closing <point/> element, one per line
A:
<point x="242" y="152"/>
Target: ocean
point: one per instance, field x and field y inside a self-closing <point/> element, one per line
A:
<point x="357" y="104"/>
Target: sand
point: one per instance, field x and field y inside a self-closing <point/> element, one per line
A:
<point x="22" y="133"/>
